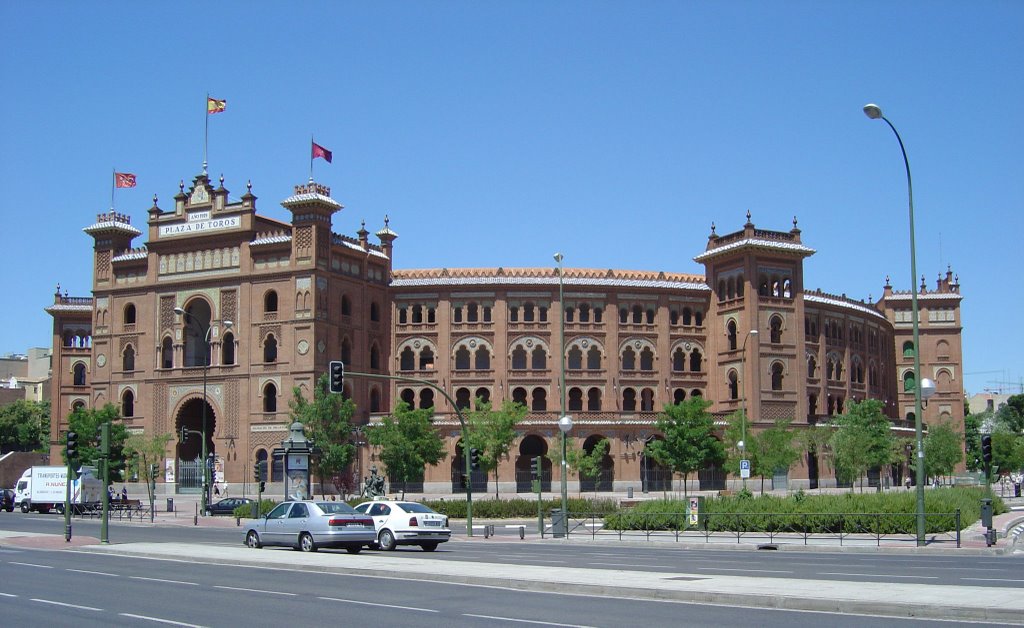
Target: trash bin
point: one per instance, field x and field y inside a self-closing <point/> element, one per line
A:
<point x="1016" y="489"/>
<point x="629" y="492"/>
<point x="986" y="513"/>
<point x="170" y="504"/>
<point x="557" y="523"/>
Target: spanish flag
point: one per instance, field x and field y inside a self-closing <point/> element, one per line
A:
<point x="215" y="106"/>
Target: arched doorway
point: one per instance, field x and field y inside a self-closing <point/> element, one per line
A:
<point x="654" y="476"/>
<point x="531" y="446"/>
<point x="458" y="470"/>
<point x="605" y="476"/>
<point x="190" y="464"/>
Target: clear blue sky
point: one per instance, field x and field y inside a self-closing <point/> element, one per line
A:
<point x="495" y="134"/>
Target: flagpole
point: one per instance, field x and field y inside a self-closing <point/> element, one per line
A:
<point x="311" y="142"/>
<point x="206" y="131"/>
<point x="113" y="180"/>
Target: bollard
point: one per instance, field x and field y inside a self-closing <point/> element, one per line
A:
<point x="195" y="517"/>
<point x="629" y="492"/>
<point x="170" y="504"/>
<point x="522" y="532"/>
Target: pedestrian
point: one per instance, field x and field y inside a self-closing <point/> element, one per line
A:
<point x="124" y="493"/>
<point x="216" y="490"/>
<point x="110" y="493"/>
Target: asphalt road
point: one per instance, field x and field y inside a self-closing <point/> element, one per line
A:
<point x="65" y="588"/>
<point x="947" y="567"/>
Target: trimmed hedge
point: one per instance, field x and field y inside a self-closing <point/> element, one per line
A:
<point x="518" y="508"/>
<point x="245" y="510"/>
<point x="875" y="513"/>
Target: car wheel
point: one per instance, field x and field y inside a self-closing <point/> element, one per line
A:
<point x="253" y="540"/>
<point x="306" y="543"/>
<point x="60" y="509"/>
<point x="429" y="547"/>
<point x="354" y="549"/>
<point x="386" y="540"/>
<point x="24" y="507"/>
<point x="209" y="513"/>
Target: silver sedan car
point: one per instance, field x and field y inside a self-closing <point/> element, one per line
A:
<point x="310" y="525"/>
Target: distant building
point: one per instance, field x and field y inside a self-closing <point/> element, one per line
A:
<point x="987" y="402"/>
<point x="298" y="295"/>
<point x="28" y="375"/>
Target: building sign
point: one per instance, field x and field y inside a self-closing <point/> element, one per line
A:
<point x="197" y="227"/>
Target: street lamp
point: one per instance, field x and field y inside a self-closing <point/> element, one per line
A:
<point x="564" y="422"/>
<point x="743" y="398"/>
<point x="875" y="113"/>
<point x="206" y="367"/>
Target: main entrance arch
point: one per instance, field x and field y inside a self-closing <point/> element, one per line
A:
<point x="189" y="453"/>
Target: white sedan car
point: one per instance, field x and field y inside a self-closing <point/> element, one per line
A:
<point x="406" y="523"/>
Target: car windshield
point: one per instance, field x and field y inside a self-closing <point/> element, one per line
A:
<point x="414" y="507"/>
<point x="336" y="508"/>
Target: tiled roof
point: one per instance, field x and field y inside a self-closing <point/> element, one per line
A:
<point x="575" y="277"/>
<point x="769" y="245"/>
<point x="864" y="309"/>
<point x="133" y="254"/>
<point x="308" y="197"/>
<point x="271" y="238"/>
<point x="901" y="296"/>
<point x="111" y="225"/>
<point x="355" y="246"/>
<point x="63" y="307"/>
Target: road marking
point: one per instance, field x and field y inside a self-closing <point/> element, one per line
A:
<point x="94" y="573"/>
<point x="876" y="575"/>
<point x="405" y="608"/>
<point x="191" y="584"/>
<point x="159" y="620"/>
<point x="32" y="565"/>
<point x="636" y="565"/>
<point x="218" y="586"/>
<point x="84" y="608"/>
<point x="7" y="595"/>
<point x="994" y="579"/>
<point x="743" y="570"/>
<point x="525" y="621"/>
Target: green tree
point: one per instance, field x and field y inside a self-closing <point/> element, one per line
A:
<point x="1007" y="452"/>
<point x="328" y="423"/>
<point x="972" y="439"/>
<point x="588" y="464"/>
<point x="493" y="432"/>
<point x="144" y="457"/>
<point x="1011" y="414"/>
<point x="689" y="444"/>
<point x="775" y="449"/>
<point x="816" y="440"/>
<point x="943" y="448"/>
<point x="862" y="441"/>
<point x="735" y="432"/>
<point x="408" y="442"/>
<point x="86" y="423"/>
<point x="25" y="426"/>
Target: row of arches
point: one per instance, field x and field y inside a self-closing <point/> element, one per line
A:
<point x="536" y="399"/>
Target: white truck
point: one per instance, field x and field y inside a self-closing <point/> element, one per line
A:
<point x="43" y="488"/>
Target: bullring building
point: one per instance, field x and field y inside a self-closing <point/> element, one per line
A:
<point x="225" y="308"/>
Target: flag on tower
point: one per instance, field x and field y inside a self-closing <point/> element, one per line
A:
<point x="320" y="151"/>
<point x="124" y="179"/>
<point x="215" y="106"/>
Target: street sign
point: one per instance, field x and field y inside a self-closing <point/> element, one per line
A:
<point x="744" y="469"/>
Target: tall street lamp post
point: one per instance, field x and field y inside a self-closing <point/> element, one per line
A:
<point x="564" y="421"/>
<point x="875" y="113"/>
<point x="206" y="367"/>
<point x="743" y="400"/>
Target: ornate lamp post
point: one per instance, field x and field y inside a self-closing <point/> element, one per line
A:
<point x="743" y="399"/>
<point x="207" y="467"/>
<point x="564" y="421"/>
<point x="875" y="113"/>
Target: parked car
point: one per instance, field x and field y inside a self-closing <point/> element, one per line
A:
<point x="7" y="499"/>
<point x="406" y="523"/>
<point x="309" y="525"/>
<point x="227" y="505"/>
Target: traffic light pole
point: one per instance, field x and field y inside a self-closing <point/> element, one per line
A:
<point x="105" y="461"/>
<point x="465" y="439"/>
<point x="71" y="455"/>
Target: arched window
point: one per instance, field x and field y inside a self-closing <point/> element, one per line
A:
<point x="487" y="313"/>
<point x="909" y="381"/>
<point x="270" y="349"/>
<point x="374" y="312"/>
<point x="908" y="349"/>
<point x="593" y="358"/>
<point x="777" y="376"/>
<point x="456" y="314"/>
<point x="812" y="366"/>
<point x="79" y="374"/>
<point x="417" y="314"/>
<point x="519" y="357"/>
<point x="528" y="312"/>
<point x="407" y="360"/>
<point x="128" y="404"/>
<point x="734" y="385"/>
<point x="482" y="359"/>
<point x="696" y="393"/>
<point x="569" y="313"/>
<point x="673" y="318"/>
<point x="575" y="359"/>
<point x="426" y="359"/>
<point x="270" y="302"/>
<point x="623" y="315"/>
<point x="227" y="349"/>
<point x="696" y="361"/>
<point x="374" y="357"/>
<point x="346" y="351"/>
<point x="540" y="400"/>
<point x="687" y="316"/>
<point x="646" y="359"/>
<point x="597" y="314"/>
<point x="730" y="287"/>
<point x="731" y="331"/>
<point x="408" y="397"/>
<point x="646" y="400"/>
<point x="196" y="322"/>
<point x="519" y="395"/>
<point x="594" y="400"/>
<point x="167" y="353"/>
<point x="776" y="329"/>
<point x="462" y="358"/>
<point x="483" y="394"/>
<point x="678" y="395"/>
<point x="374" y="400"/>
<point x="513" y="314"/>
<point x="472" y="313"/>
<point x="426" y="399"/>
<point x="462" y="398"/>
<point x="403" y="316"/>
<point x="346" y="305"/>
<point x="270" y="397"/>
<point x="830" y="368"/>
<point x="628" y="359"/>
<point x="129" y="314"/>
<point x="649" y="316"/>
<point x="584" y="313"/>
<point x="678" y="360"/>
<point x="638" y="315"/>
<point x="128" y="359"/>
<point x="698" y="318"/>
<point x="78" y="405"/>
<point x="628" y="400"/>
<point x="575" y="399"/>
<point x="539" y="358"/>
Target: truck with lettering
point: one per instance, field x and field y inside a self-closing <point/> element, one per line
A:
<point x="43" y="489"/>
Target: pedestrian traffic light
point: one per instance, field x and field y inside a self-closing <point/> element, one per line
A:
<point x="986" y="448"/>
<point x="337" y="376"/>
<point x="474" y="458"/>
<point x="536" y="470"/>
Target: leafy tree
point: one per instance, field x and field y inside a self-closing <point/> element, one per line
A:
<point x="816" y="440"/>
<point x="1011" y="414"/>
<point x="734" y="433"/>
<point x="328" y="423"/>
<point x="943" y="449"/>
<point x="775" y="449"/>
<point x="863" y="440"/>
<point x="1007" y="452"/>
<point x="493" y="432"/>
<point x="690" y="443"/>
<point x="142" y="452"/>
<point x="25" y="426"/>
<point x="408" y="442"/>
<point x="86" y="423"/>
<point x="972" y="439"/>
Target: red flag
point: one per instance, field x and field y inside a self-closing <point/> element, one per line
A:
<point x="215" y="106"/>
<point x="320" y="151"/>
<point x="124" y="180"/>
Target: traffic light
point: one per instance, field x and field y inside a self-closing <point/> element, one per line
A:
<point x="536" y="469"/>
<point x="986" y="448"/>
<point x="337" y="376"/>
<point x="152" y="477"/>
<point x="184" y="434"/>
<point x="105" y="440"/>
<point x="256" y="471"/>
<point x="263" y="486"/>
<point x="71" y="448"/>
<point x="474" y="458"/>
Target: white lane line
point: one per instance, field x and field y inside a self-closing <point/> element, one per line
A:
<point x="525" y="621"/>
<point x="7" y="595"/>
<point x="404" y="608"/>
<point x="94" y="573"/>
<point x="84" y="608"/>
<point x="218" y="586"/>
<point x="875" y="576"/>
<point x="191" y="584"/>
<point x="965" y="568"/>
<point x="160" y="621"/>
<point x="32" y="565"/>
<point x="636" y="565"/>
<point x="744" y="570"/>
<point x="994" y="579"/>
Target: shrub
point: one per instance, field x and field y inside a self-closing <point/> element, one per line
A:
<point x="245" y="510"/>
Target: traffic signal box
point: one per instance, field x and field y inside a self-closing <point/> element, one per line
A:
<point x="337" y="376"/>
<point x="537" y="471"/>
<point x="71" y="453"/>
<point x="474" y="458"/>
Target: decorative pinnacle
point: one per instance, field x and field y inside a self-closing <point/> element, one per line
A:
<point x="181" y="185"/>
<point x="248" y="185"/>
